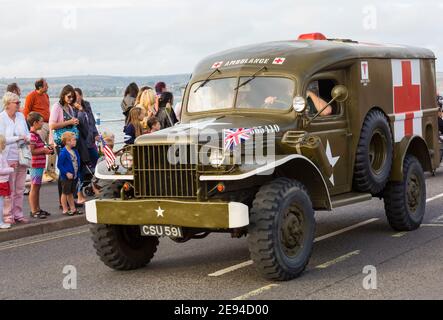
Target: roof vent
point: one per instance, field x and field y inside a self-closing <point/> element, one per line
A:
<point x="312" y="36"/>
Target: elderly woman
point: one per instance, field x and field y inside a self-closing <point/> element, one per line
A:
<point x="13" y="126"/>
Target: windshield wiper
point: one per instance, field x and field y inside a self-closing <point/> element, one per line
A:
<point x="207" y="80"/>
<point x="251" y="78"/>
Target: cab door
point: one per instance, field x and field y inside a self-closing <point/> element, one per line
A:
<point x="333" y="129"/>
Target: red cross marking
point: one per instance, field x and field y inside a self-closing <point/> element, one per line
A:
<point x="407" y="97"/>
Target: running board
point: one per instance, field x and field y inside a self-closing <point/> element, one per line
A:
<point x="349" y="198"/>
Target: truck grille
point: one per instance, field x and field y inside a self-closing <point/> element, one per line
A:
<point x="156" y="177"/>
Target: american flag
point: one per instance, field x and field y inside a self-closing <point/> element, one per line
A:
<point x="109" y="154"/>
<point x="234" y="137"/>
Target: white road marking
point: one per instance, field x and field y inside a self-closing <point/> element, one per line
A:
<point x="435" y="198"/>
<point x="338" y="260"/>
<point x="433" y="225"/>
<point x="230" y="269"/>
<point x="399" y="235"/>
<point x="326" y="236"/>
<point x="13" y="246"/>
<point x="438" y="219"/>
<point x="355" y="226"/>
<point x="256" y="292"/>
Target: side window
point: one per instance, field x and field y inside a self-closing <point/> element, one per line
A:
<point x="318" y="96"/>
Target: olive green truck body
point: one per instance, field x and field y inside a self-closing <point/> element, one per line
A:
<point x="321" y="153"/>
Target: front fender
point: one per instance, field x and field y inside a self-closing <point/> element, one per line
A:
<point x="102" y="172"/>
<point x="293" y="166"/>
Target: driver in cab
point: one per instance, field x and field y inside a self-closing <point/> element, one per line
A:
<point x="315" y="102"/>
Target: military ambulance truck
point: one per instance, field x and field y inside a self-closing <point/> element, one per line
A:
<point x="346" y="121"/>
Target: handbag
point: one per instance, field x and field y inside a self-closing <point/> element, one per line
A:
<point x="24" y="155"/>
<point x="58" y="133"/>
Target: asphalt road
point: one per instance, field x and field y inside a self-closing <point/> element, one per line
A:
<point x="408" y="265"/>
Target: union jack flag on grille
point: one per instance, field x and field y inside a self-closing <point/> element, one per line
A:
<point x="233" y="137"/>
<point x="109" y="154"/>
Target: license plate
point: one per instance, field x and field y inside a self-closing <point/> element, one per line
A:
<point x="161" y="231"/>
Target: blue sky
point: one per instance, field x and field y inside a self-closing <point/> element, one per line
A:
<point x="133" y="37"/>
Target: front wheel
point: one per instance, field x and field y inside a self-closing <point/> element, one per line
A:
<point x="281" y="230"/>
<point x="123" y="247"/>
<point x="405" y="202"/>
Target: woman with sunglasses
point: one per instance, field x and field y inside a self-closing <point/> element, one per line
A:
<point x="14" y="128"/>
<point x="62" y="119"/>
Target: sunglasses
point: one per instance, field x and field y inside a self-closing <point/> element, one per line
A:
<point x="70" y="97"/>
<point x="16" y="102"/>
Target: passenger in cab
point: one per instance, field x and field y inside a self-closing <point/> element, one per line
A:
<point x="315" y="102"/>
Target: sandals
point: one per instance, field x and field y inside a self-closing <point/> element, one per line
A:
<point x="46" y="213"/>
<point x="38" y="215"/>
<point x="72" y="213"/>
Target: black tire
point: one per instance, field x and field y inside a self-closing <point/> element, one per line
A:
<point x="374" y="155"/>
<point x="122" y="247"/>
<point x="279" y="208"/>
<point x="405" y="202"/>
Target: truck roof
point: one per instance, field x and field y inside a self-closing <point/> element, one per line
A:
<point x="304" y="55"/>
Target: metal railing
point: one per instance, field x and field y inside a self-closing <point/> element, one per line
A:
<point x="99" y="122"/>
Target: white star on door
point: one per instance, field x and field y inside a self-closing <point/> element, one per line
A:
<point x="332" y="161"/>
<point x="160" y="212"/>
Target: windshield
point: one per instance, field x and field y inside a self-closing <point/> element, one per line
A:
<point x="258" y="93"/>
<point x="215" y="95"/>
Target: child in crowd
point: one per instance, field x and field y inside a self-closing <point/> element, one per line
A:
<point x="38" y="164"/>
<point x="5" y="171"/>
<point x="69" y="165"/>
<point x="109" y="139"/>
<point x="97" y="184"/>
<point x="134" y="127"/>
<point x="154" y="125"/>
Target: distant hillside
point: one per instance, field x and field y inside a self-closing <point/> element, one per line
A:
<point x="98" y="86"/>
<point x="108" y="86"/>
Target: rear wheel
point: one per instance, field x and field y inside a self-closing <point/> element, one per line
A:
<point x="405" y="202"/>
<point x="281" y="230"/>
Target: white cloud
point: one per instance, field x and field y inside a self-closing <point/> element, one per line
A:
<point x="135" y="37"/>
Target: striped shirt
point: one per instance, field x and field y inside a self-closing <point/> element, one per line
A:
<point x="38" y="161"/>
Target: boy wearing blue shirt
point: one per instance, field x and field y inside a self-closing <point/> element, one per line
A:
<point x="69" y="165"/>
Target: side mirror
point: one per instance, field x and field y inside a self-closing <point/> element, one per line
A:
<point x="340" y="93"/>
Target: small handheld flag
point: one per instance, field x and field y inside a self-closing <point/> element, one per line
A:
<point x="109" y="154"/>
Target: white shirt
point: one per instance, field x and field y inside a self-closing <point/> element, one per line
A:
<point x="12" y="130"/>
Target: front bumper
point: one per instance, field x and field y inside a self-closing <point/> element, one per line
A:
<point x="205" y="215"/>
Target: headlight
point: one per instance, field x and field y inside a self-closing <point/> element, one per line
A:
<point x="217" y="158"/>
<point x="126" y="160"/>
<point x="299" y="104"/>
